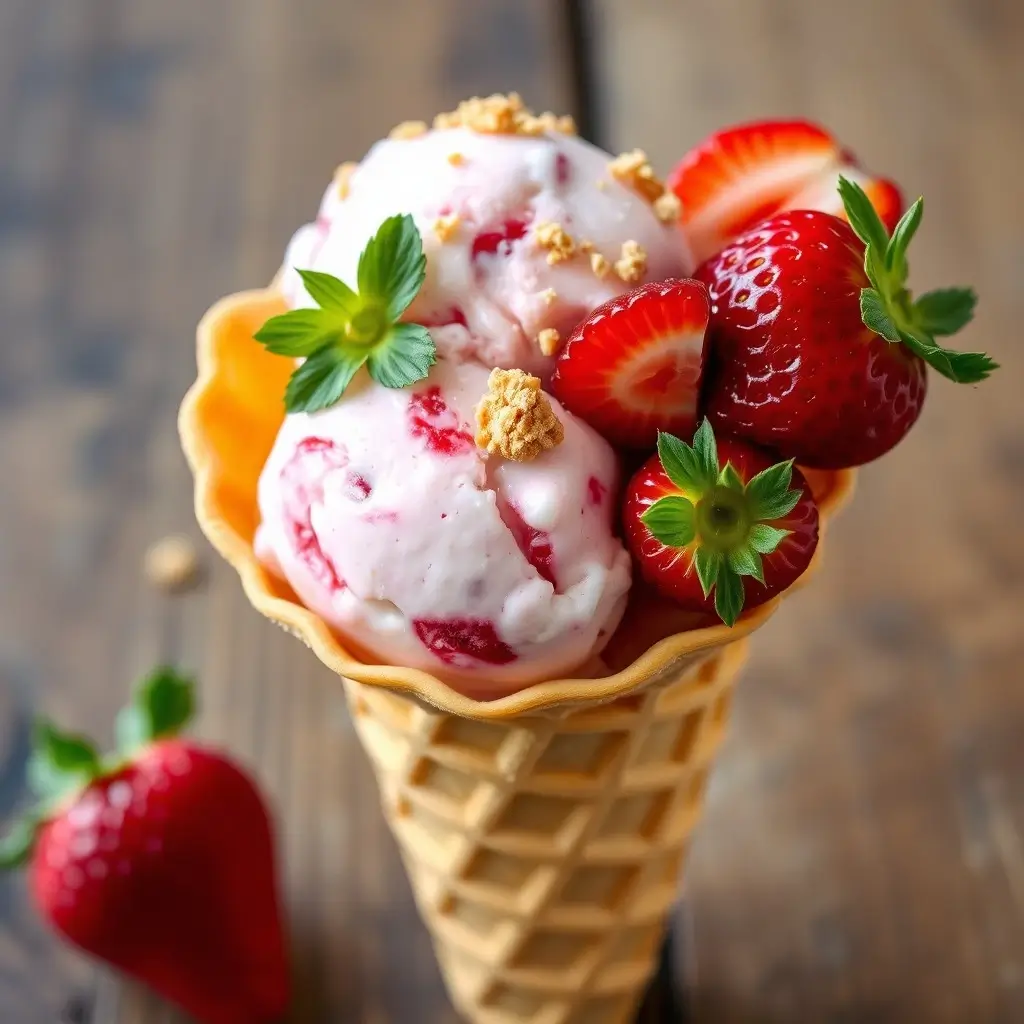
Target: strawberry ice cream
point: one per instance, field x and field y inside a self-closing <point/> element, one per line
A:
<point x="421" y="550"/>
<point x="495" y="278"/>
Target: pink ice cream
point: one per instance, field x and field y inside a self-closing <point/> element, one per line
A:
<point x="415" y="545"/>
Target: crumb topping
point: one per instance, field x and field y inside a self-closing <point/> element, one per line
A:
<point x="447" y="227"/>
<point x="668" y="208"/>
<point x="515" y="417"/>
<point x="634" y="170"/>
<point x="549" y="295"/>
<point x="341" y="178"/>
<point x="456" y="159"/>
<point x="601" y="184"/>
<point x="503" y="115"/>
<point x="586" y="245"/>
<point x="552" y="237"/>
<point x="548" y="340"/>
<point x="632" y="265"/>
<point x="599" y="265"/>
<point x="172" y="563"/>
<point x="408" y="130"/>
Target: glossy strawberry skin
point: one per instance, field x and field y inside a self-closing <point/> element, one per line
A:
<point x="166" y="870"/>
<point x="791" y="365"/>
<point x="671" y="571"/>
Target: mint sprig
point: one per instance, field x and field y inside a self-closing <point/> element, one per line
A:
<point x="724" y="525"/>
<point x="888" y="308"/>
<point x="353" y="329"/>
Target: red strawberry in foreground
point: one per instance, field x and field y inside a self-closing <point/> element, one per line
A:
<point x="634" y="365"/>
<point x="159" y="861"/>
<point x="816" y="348"/>
<point x="739" y="176"/>
<point x="700" y="518"/>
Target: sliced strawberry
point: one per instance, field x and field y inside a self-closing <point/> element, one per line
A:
<point x="740" y="176"/>
<point x="464" y="643"/>
<point x="634" y="366"/>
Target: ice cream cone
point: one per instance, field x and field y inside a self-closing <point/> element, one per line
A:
<point x="543" y="831"/>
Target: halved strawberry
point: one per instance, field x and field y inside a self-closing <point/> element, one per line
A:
<point x="634" y="366"/>
<point x="742" y="175"/>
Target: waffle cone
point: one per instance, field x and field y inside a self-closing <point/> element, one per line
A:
<point x="543" y="831"/>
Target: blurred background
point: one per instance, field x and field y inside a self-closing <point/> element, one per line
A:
<point x="862" y="857"/>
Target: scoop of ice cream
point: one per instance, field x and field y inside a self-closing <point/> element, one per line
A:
<point x="513" y="227"/>
<point x="421" y="550"/>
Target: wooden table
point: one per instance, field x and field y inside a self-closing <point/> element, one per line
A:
<point x="862" y="858"/>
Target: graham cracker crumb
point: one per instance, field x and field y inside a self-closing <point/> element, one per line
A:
<point x="549" y="295"/>
<point x="502" y="115"/>
<point x="634" y="170"/>
<point x="408" y="130"/>
<point x="342" y="176"/>
<point x="456" y="159"/>
<point x="586" y="245"/>
<point x="599" y="265"/>
<point x="668" y="208"/>
<point x="447" y="227"/>
<point x="549" y="339"/>
<point x="601" y="184"/>
<point x="515" y="418"/>
<point x="172" y="564"/>
<point x="632" y="265"/>
<point x="556" y="240"/>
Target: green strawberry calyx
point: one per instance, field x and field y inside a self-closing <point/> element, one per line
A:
<point x="889" y="309"/>
<point x="722" y="524"/>
<point x="64" y="764"/>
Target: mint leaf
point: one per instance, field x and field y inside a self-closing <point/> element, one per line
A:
<point x="764" y="539"/>
<point x="671" y="521"/>
<point x="706" y="450"/>
<point x="162" y="705"/>
<point x="392" y="267"/>
<point x="896" y="250"/>
<point x="730" y="478"/>
<point x="16" y="847"/>
<point x="321" y="380"/>
<point x="728" y="596"/>
<point x="300" y="332"/>
<point x="746" y="562"/>
<point x="945" y="310"/>
<point x="708" y="564"/>
<point x="681" y="464"/>
<point x="875" y="315"/>
<point x="862" y="216"/>
<point x="60" y="762"/>
<point x="329" y="293"/>
<point x="769" y="492"/>
<point x="403" y="357"/>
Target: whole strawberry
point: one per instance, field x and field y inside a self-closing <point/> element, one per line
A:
<point x="816" y="347"/>
<point x="159" y="861"/>
<point x="719" y="527"/>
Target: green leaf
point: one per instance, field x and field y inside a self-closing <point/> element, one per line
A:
<point x="945" y="310"/>
<point x="708" y="564"/>
<point x="959" y="367"/>
<point x="671" y="521"/>
<point x="764" y="539"/>
<point x="681" y="464"/>
<point x="862" y="216"/>
<point x="728" y="597"/>
<point x="875" y="315"/>
<point x="321" y="380"/>
<point x="162" y="705"/>
<point x="746" y="562"/>
<point x="769" y="492"/>
<point x="393" y="267"/>
<point x="896" y="250"/>
<point x="329" y="293"/>
<point x="60" y="762"/>
<point x="300" y="332"/>
<point x="16" y="847"/>
<point x="730" y="478"/>
<point x="403" y="357"/>
<point x="706" y="450"/>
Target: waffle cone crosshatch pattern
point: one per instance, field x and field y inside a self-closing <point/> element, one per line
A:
<point x="543" y="831"/>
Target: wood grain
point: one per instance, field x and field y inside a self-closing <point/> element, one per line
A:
<point x="862" y="857"/>
<point x="157" y="156"/>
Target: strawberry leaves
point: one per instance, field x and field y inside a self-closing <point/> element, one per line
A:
<point x="352" y="329"/>
<point x="723" y="524"/>
<point x="163" y="704"/>
<point x="887" y="307"/>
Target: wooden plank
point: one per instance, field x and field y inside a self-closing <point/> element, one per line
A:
<point x="157" y="156"/>
<point x="862" y="856"/>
